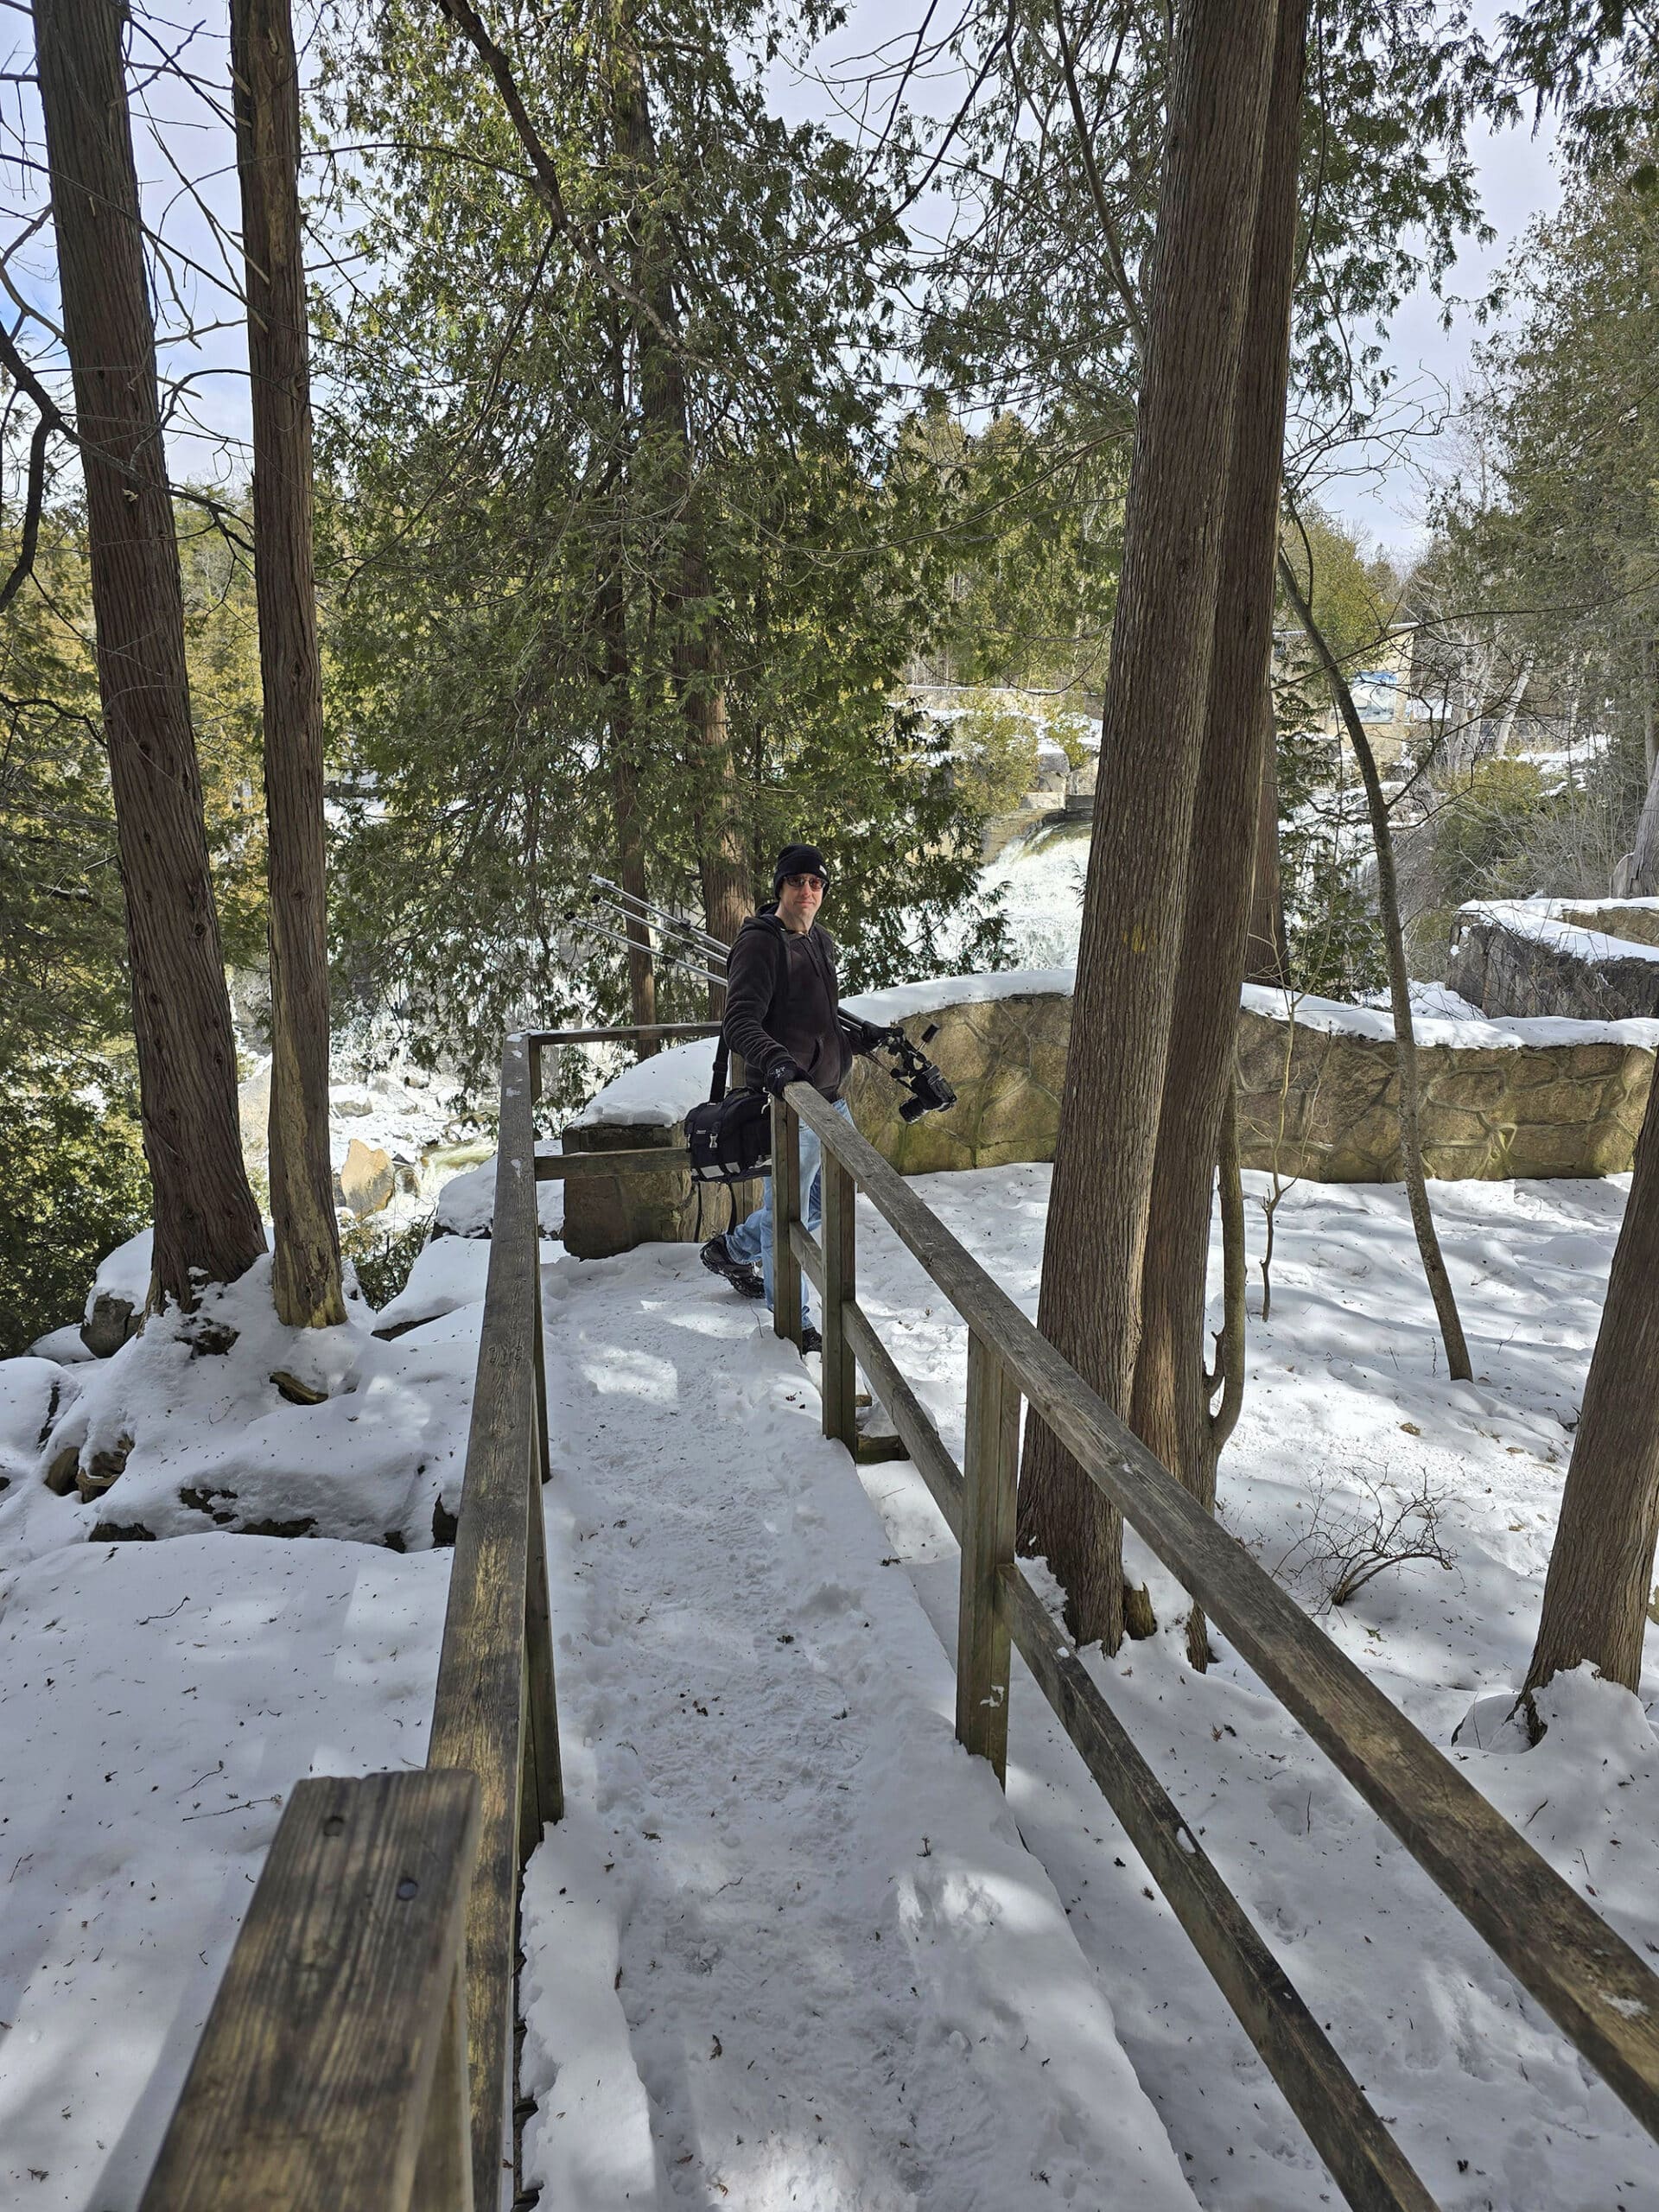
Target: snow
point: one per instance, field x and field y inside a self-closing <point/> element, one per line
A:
<point x="657" y="1092"/>
<point x="1346" y="1399"/>
<point x="204" y="1418"/>
<point x="1471" y="1031"/>
<point x="788" y="1949"/>
<point x="157" y="1703"/>
<point x="792" y="1947"/>
<point x="465" y="1205"/>
<point x="124" y="1274"/>
<point x="1538" y="919"/>
<point x="447" y="1273"/>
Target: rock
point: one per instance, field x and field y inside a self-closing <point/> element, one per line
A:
<point x="368" y="1178"/>
<point x="104" y="1468"/>
<point x="66" y="1465"/>
<point x="297" y="1392"/>
<point x="444" y="1525"/>
<point x="111" y="1322"/>
<point x="121" y="1532"/>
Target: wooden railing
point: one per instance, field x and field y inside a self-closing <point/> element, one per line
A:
<point x="359" y="2050"/>
<point x="1592" y="1984"/>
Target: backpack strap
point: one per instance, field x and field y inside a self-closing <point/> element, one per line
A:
<point x="717" y="1088"/>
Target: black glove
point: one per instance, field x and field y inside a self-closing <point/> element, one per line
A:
<point x="862" y="1036"/>
<point x="778" y="1074"/>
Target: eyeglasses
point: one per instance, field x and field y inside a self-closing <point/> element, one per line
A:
<point x="800" y="882"/>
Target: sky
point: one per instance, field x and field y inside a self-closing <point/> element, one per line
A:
<point x="1383" y="502"/>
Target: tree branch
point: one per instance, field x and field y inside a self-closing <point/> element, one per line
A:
<point x="1096" y="188"/>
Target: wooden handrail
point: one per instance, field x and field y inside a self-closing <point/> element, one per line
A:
<point x="333" y="2068"/>
<point x="1590" y="1982"/>
<point x="494" y="1713"/>
<point x="356" y="2054"/>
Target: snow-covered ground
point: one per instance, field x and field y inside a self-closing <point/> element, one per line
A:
<point x="792" y="1947"/>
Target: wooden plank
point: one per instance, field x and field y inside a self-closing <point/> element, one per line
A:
<point x="990" y="1463"/>
<point x="652" y="1159"/>
<point x="443" y="2174"/>
<point x="682" y="1029"/>
<point x="1586" y="1978"/>
<point x="809" y="1257"/>
<point x="839" y="1388"/>
<point x="478" y="1718"/>
<point x="538" y="1662"/>
<point x="311" y="2084"/>
<point x="916" y="1430"/>
<point x="785" y="1213"/>
<point x="1365" y="2162"/>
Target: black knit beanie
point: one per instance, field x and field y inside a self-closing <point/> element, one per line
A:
<point x="798" y="859"/>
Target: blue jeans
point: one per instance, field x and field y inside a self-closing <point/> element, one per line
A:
<point x="752" y="1239"/>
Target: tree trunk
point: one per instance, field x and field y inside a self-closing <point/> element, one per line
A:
<point x="206" y="1223"/>
<point x="1600" y="1579"/>
<point x="1172" y="1388"/>
<point x="1151" y="734"/>
<point x="1644" y="861"/>
<point x="1512" y="708"/>
<point x="1405" y="1034"/>
<point x="305" y="1277"/>
<point x="625" y="798"/>
<point x="667" y="422"/>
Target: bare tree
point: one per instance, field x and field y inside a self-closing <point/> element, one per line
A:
<point x="1394" y="942"/>
<point x="306" y="1277"/>
<point x="1172" y="1388"/>
<point x="206" y="1223"/>
<point x="1600" y="1580"/>
<point x="1163" y="637"/>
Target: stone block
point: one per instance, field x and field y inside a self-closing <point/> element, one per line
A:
<point x="368" y="1178"/>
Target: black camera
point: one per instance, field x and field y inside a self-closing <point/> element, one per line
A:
<point x="929" y="1094"/>
<point x="929" y="1091"/>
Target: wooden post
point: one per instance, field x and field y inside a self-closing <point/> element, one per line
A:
<point x="785" y="1208"/>
<point x="991" y="1457"/>
<point x="840" y="1283"/>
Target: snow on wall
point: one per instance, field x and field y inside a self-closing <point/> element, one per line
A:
<point x="661" y="1090"/>
<point x="1540" y="919"/>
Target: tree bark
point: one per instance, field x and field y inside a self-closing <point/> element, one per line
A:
<point x="305" y="1276"/>
<point x="1170" y="1406"/>
<point x="207" y="1226"/>
<point x="666" y="414"/>
<point x="1644" y="861"/>
<point x="1600" y="1580"/>
<point x="625" y="798"/>
<point x="1405" y="1034"/>
<point x="1152" y="733"/>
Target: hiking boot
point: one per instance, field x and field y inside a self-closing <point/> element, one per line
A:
<point x="743" y="1275"/>
<point x="812" y="1338"/>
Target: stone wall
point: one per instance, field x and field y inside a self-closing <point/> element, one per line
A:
<point x="1319" y="1099"/>
<point x="1524" y="958"/>
<point x="1005" y="1057"/>
<point x="1320" y="1096"/>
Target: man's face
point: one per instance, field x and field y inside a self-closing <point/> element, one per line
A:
<point x="799" y="898"/>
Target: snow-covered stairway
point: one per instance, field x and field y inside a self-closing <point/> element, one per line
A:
<point x="787" y="1950"/>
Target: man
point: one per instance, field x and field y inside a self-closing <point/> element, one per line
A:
<point x="782" y="1017"/>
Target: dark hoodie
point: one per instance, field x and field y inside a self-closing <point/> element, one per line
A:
<point x="781" y="1000"/>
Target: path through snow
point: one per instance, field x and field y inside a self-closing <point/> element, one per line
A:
<point x="788" y="1950"/>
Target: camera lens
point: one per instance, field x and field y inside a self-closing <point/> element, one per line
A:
<point x="912" y="1109"/>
